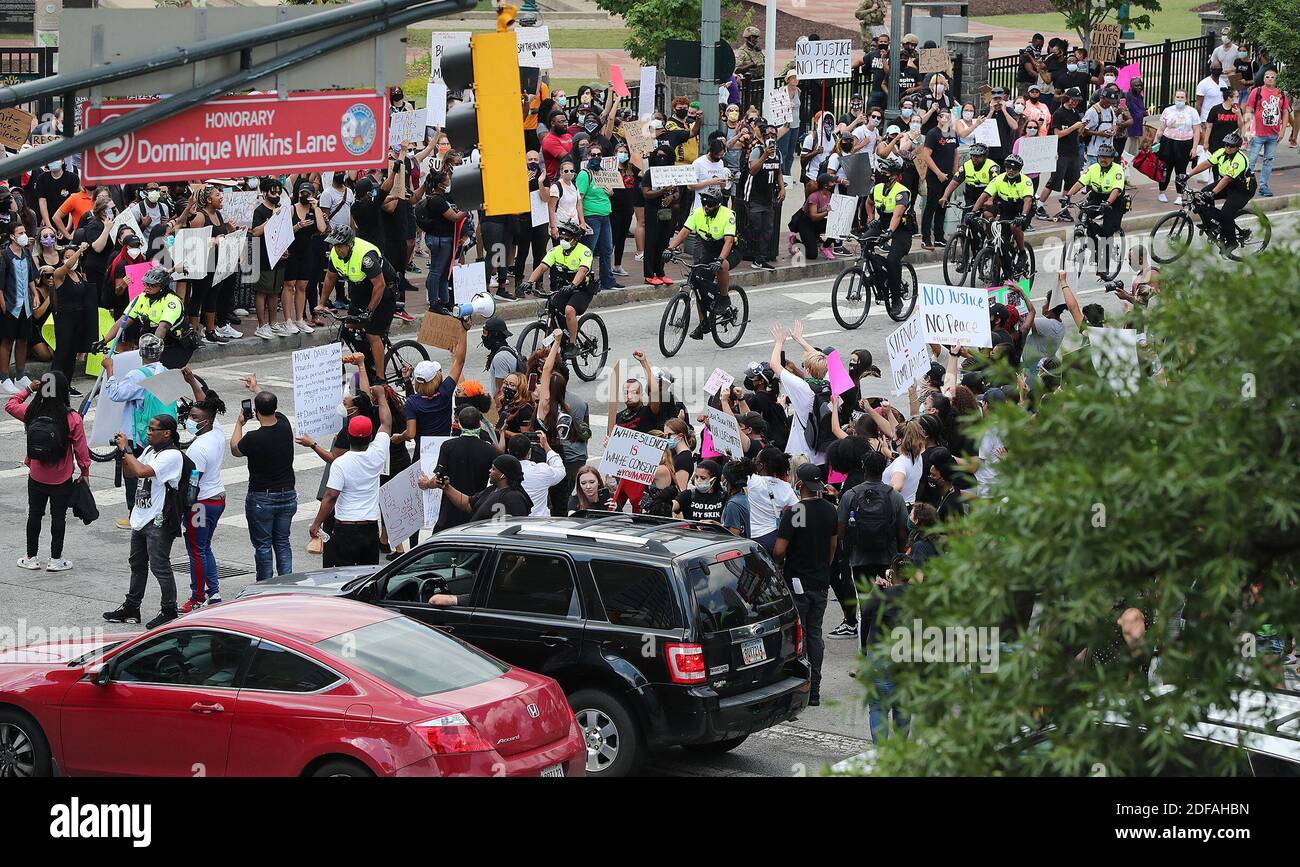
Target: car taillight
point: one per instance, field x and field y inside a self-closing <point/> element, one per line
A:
<point x="451" y="734"/>
<point x="685" y="663"/>
<point x="727" y="555"/>
<point x="798" y="636"/>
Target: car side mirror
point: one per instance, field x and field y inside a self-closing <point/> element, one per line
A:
<point x="368" y="592"/>
<point x="99" y="674"/>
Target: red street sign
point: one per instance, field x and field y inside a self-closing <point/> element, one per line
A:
<point x="244" y="136"/>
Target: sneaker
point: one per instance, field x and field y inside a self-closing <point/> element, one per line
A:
<point x="8" y="387"/>
<point x="1178" y="201"/>
<point x="492" y="281"/>
<point x="23" y="382"/>
<point x="570" y="352"/>
<point x="665" y="281"/>
<point x="1268" y="194"/>
<point x="827" y="253"/>
<point x="698" y="333"/>
<point x="654" y="281"/>
<point x="619" y="270"/>
<point x="214" y="599"/>
<point x="164" y="616"/>
<point x="191" y="604"/>
<point x="213" y="337"/>
<point x="791" y="244"/>
<point x="639" y="257"/>
<point x="1162" y="198"/>
<point x="768" y="266"/>
<point x="278" y="329"/>
<point x="124" y="523"/>
<point x="124" y="614"/>
<point x="59" y="565"/>
<point x="230" y="333"/>
<point x="264" y="332"/>
<point x="406" y="317"/>
<point x="340" y="305"/>
<point x="291" y="327"/>
<point x="240" y="311"/>
<point x="844" y="630"/>
<point x="74" y="391"/>
<point x="233" y="319"/>
<point x="304" y="326"/>
<point x="30" y="563"/>
<point x="1040" y="211"/>
<point x="614" y="285"/>
<point x="503" y="294"/>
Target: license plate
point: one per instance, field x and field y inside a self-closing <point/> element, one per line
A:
<point x="553" y="771"/>
<point x="753" y="651"/>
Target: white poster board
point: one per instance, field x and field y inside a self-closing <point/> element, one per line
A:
<point x="825" y="58"/>
<point x="672" y="176"/>
<point x="110" y="416"/>
<point x="230" y="248"/>
<point x="540" y="212"/>
<point x="646" y="97"/>
<point x="1039" y="154"/>
<point x="778" y="107"/>
<point x="468" y="281"/>
<point x="406" y="126"/>
<point x="534" y="47"/>
<point x="168" y="386"/>
<point x="908" y="357"/>
<point x="277" y="233"/>
<point x="726" y="433"/>
<point x="987" y="134"/>
<point x="717" y="381"/>
<point x="126" y="218"/>
<point x="190" y="252"/>
<point x="318" y="390"/>
<point x="1115" y="356"/>
<point x="429" y="449"/>
<point x="402" y="505"/>
<point x="440" y="41"/>
<point x="237" y="207"/>
<point x="632" y="455"/>
<point x="955" y="314"/>
<point x="435" y="101"/>
<point x="840" y="220"/>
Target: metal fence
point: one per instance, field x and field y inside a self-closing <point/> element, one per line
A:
<point x="27" y="63"/>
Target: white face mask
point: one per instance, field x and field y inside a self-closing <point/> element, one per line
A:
<point x="21" y="240"/>
<point x="252" y="183"/>
<point x="341" y="411"/>
<point x="1226" y="39"/>
<point x="939" y="89"/>
<point x="566" y="245"/>
<point x="702" y="487"/>
<point x="1109" y="79"/>
<point x="133" y="252"/>
<point x="153" y="196"/>
<point x="915" y="126"/>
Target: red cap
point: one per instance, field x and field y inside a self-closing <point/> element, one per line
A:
<point x="360" y="426"/>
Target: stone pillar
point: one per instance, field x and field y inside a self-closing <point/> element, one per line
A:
<point x="1211" y="23"/>
<point x="973" y="49"/>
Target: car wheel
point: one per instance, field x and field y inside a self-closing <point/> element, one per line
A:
<point x="342" y="768"/>
<point x="611" y="736"/>
<point x="717" y="746"/>
<point x="24" y="752"/>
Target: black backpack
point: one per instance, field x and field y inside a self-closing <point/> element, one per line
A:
<point x="45" y="442"/>
<point x="521" y="366"/>
<point x="425" y="217"/>
<point x="872" y="517"/>
<point x="179" y="503"/>
<point x="817" y="427"/>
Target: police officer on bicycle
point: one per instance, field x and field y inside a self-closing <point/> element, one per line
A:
<point x="370" y="281"/>
<point x="570" y="267"/>
<point x="160" y="311"/>
<point x="976" y="171"/>
<point x="1233" y="182"/>
<point x="1010" y="196"/>
<point x="893" y="222"/>
<point x="1105" y="182"/>
<point x="714" y="226"/>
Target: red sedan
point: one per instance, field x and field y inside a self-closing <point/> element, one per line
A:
<point x="281" y="685"/>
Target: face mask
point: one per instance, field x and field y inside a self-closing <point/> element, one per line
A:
<point x="47" y="241"/>
<point x="191" y="426"/>
<point x="622" y="158"/>
<point x="534" y="167"/>
<point x="565" y="245"/>
<point x="252" y="183"/>
<point x="672" y="441"/>
<point x="1215" y="73"/>
<point x="733" y="115"/>
<point x="594" y="163"/>
<point x="907" y="112"/>
<point x="702" y="487"/>
<point x="1017" y="108"/>
<point x="874" y="122"/>
<point x="915" y="126"/>
<point x="939" y="89"/>
<point x="21" y="240"/>
<point x="1180" y="102"/>
<point x="56" y="166"/>
<point x="133" y="252"/>
<point x="341" y="411"/>
<point x="681" y="112"/>
<point x="171" y="240"/>
<point x="508" y="391"/>
<point x="1109" y="79"/>
<point x="273" y="198"/>
<point x="1072" y="67"/>
<point x="1226" y="39"/>
<point x="152" y="196"/>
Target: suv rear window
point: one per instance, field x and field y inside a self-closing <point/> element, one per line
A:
<point x="733" y="589"/>
<point x="415" y="658"/>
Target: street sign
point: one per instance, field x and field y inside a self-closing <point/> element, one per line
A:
<point x="244" y="136"/>
<point x="682" y="58"/>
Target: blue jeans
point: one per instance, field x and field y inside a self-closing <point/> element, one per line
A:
<point x="438" y="283"/>
<point x="1262" y="146"/>
<point x="270" y="514"/>
<point x="601" y="242"/>
<point x="198" y="545"/>
<point x="882" y="705"/>
<point x="787" y="146"/>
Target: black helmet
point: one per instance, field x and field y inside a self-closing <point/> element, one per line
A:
<point x="711" y="197"/>
<point x="893" y="165"/>
<point x="340" y="235"/>
<point x="158" y="276"/>
<point x="496" y="326"/>
<point x="1232" y="140"/>
<point x="1106" y="151"/>
<point x="570" y="228"/>
<point x="1013" y="162"/>
<point x="979" y="149"/>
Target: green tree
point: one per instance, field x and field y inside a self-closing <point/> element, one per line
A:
<point x="651" y="23"/>
<point x="1272" y="26"/>
<point x="1082" y="16"/>
<point x="1179" y="501"/>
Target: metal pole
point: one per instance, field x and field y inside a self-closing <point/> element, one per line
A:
<point x="710" y="33"/>
<point x="165" y="108"/>
<point x="769" y="56"/>
<point x="895" y="38"/>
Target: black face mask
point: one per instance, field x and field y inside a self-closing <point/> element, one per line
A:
<point x="681" y="112"/>
<point x="273" y="198"/>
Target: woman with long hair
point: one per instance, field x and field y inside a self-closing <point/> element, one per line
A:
<point x="56" y="439"/>
<point x="565" y="202"/>
<point x="769" y="494"/>
<point x="681" y="444"/>
<point x="589" y="491"/>
<point x="207" y="452"/>
<point x="203" y="295"/>
<point x="904" y="473"/>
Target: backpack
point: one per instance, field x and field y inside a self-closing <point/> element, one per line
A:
<point x="424" y="216"/>
<point x="179" y="503"/>
<point x="817" y="427"/>
<point x="871" y="518"/>
<point x="45" y="443"/>
<point x="520" y="365"/>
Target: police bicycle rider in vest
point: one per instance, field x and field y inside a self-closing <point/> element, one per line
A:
<point x="1105" y="182"/>
<point x="976" y="171"/>
<point x="160" y="311"/>
<point x="570" y="267"/>
<point x="1010" y="196"/>
<point x="889" y="207"/>
<point x="370" y="282"/>
<point x="714" y="227"/>
<point x="1233" y="182"/>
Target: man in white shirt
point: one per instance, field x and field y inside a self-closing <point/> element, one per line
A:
<point x="336" y="201"/>
<point x="539" y="476"/>
<point x="1209" y="92"/>
<point x="157" y="469"/>
<point x="710" y="170"/>
<point x="352" y="491"/>
<point x="1227" y="53"/>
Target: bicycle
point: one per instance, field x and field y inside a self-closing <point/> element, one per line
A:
<point x="397" y="356"/>
<point x="963" y="246"/>
<point x="726" y="325"/>
<point x="593" y="337"/>
<point x="1172" y="236"/>
<point x="871" y="268"/>
<point x="1001" y="261"/>
<point x="1081" y="249"/>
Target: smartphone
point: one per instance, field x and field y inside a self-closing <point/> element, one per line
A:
<point x="247" y="407"/>
<point x="532" y="382"/>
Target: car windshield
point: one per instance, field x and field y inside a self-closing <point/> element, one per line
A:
<point x="103" y="648"/>
<point x="734" y="589"/>
<point x="415" y="658"/>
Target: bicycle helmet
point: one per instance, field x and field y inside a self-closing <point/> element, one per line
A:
<point x="1013" y="162"/>
<point x="158" y="276"/>
<point x="711" y="198"/>
<point x="340" y="235"/>
<point x="570" y="228"/>
<point x="892" y="165"/>
<point x="1106" y="151"/>
<point x="1232" y="140"/>
<point x="979" y="149"/>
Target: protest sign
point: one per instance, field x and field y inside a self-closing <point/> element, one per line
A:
<point x="167" y="385"/>
<point x="435" y="100"/>
<point x="1003" y="295"/>
<point x="441" y="331"/>
<point x="955" y="314"/>
<point x="632" y="455"/>
<point x="1039" y="153"/>
<point x="1104" y="43"/>
<point x="541" y="214"/>
<point x="608" y="178"/>
<point x="230" y="249"/>
<point x="135" y="274"/>
<point x="190" y="253"/>
<point x="778" y="107"/>
<point x="933" y="60"/>
<point x="318" y="389"/>
<point x="645" y="100"/>
<point x="725" y="433"/>
<point x="126" y="218"/>
<point x="838" y="374"/>
<point x="602" y="68"/>
<point x="717" y="381"/>
<point x="109" y="416"/>
<point x="1124" y="77"/>
<point x="15" y="127"/>
<point x="439" y="42"/>
<point x="825" y="58"/>
<point x="908" y="357"/>
<point x="639" y="139"/>
<point x="277" y="232"/>
<point x="987" y="134"/>
<point x="840" y="220"/>
<point x="534" y="47"/>
<point x="468" y="280"/>
<point x="1115" y="356"/>
<point x="238" y="206"/>
<point x="401" y="503"/>
<point x="429" y="451"/>
<point x="617" y="82"/>
<point x="406" y="126"/>
<point x="672" y="176"/>
<point x="38" y="140"/>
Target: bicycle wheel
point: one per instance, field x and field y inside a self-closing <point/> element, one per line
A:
<point x="957" y="259"/>
<point x="1077" y="257"/>
<point x="850" y="297"/>
<point x="531" y="339"/>
<point x="1110" y="255"/>
<point x="674" y="325"/>
<point x="593" y="347"/>
<point x="908" y="290"/>
<point x="730" y="326"/>
<point x="1254" y="231"/>
<point x="402" y="354"/>
<point x="1029" y="270"/>
<point x="987" y="270"/>
<point x="1171" y="237"/>
<point x="99" y="452"/>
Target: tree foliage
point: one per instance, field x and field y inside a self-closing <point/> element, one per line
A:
<point x="1196" y="484"/>
<point x="1272" y="26"/>
<point x="1083" y="15"/>
<point x="651" y="23"/>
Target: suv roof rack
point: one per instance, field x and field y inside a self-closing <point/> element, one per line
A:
<point x="652" y="522"/>
<point x="588" y="534"/>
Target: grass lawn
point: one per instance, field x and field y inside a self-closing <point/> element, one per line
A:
<point x="595" y="38"/>
<point x="1176" y="20"/>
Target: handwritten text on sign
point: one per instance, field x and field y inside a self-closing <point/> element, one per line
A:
<point x="402" y="504"/>
<point x="908" y="359"/>
<point x="632" y="455"/>
<point x="825" y="58"/>
<point x="318" y="389"/>
<point x="726" y="433"/>
<point x="955" y="314"/>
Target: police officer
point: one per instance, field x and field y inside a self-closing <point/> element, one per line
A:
<point x="1105" y="182"/>
<point x="1233" y="182"/>
<point x="714" y="226"/>
<point x="892" y="222"/>
<point x="160" y="310"/>
<point x="370" y="281"/>
<point x="571" y="261"/>
<point x="977" y="170"/>
<point x="1010" y="196"/>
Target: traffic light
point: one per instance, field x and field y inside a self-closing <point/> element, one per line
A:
<point x="494" y="122"/>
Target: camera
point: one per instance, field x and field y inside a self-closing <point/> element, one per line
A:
<point x="1114" y="285"/>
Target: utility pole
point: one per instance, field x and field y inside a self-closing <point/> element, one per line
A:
<point x="895" y="38"/>
<point x="769" y="56"/>
<point x="710" y="33"/>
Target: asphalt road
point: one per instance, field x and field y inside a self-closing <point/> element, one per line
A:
<point x="75" y="599"/>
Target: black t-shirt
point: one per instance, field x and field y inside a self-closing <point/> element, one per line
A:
<point x="684" y="462"/>
<point x="773" y="414"/>
<point x="878" y="60"/>
<point x="701" y="507"/>
<point x="270" y="456"/>
<point x="602" y="500"/>
<point x="929" y="101"/>
<point x="808" y="554"/>
<point x="762" y="187"/>
<point x="429" y="216"/>
<point x="907" y="78"/>
<point x="94" y="264"/>
<point x="76" y="295"/>
<point x="515" y="501"/>
<point x="1056" y="69"/>
<point x="366" y="213"/>
<point x="1062" y="118"/>
<point x="943" y="148"/>
<point x="1222" y="121"/>
<point x="465" y="461"/>
<point x="1023" y="75"/>
<point x="55" y="190"/>
<point x="260" y="215"/>
<point x="640" y="419"/>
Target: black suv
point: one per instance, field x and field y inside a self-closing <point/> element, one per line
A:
<point x="662" y="632"/>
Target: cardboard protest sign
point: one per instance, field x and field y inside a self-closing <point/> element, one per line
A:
<point x="955" y="314"/>
<point x="725" y="433"/>
<point x="534" y="47"/>
<point x="435" y="101"/>
<point x="541" y="214"/>
<point x="1039" y="153"/>
<point x="237" y="207"/>
<point x="632" y="455"/>
<point x="167" y="385"/>
<point x="15" y="127"/>
<point x="318" y="389"/>
<point x="1104" y="43"/>
<point x="908" y="357"/>
<point x="933" y="60"/>
<point x="441" y="331"/>
<point x="602" y="68"/>
<point x="639" y="139"/>
<point x="987" y="134"/>
<point x="608" y="178"/>
<point x="825" y="58"/>
<point x="401" y="503"/>
<point x="430" y="447"/>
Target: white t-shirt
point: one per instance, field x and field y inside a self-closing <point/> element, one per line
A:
<point x="911" y="470"/>
<point x="150" y="495"/>
<point x="355" y="475"/>
<point x="768" y="497"/>
<point x="208" y="451"/>
<point x="1211" y="93"/>
<point x="330" y="198"/>
<point x="538" y="479"/>
<point x="801" y="404"/>
<point x="705" y="169"/>
<point x="990" y="445"/>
